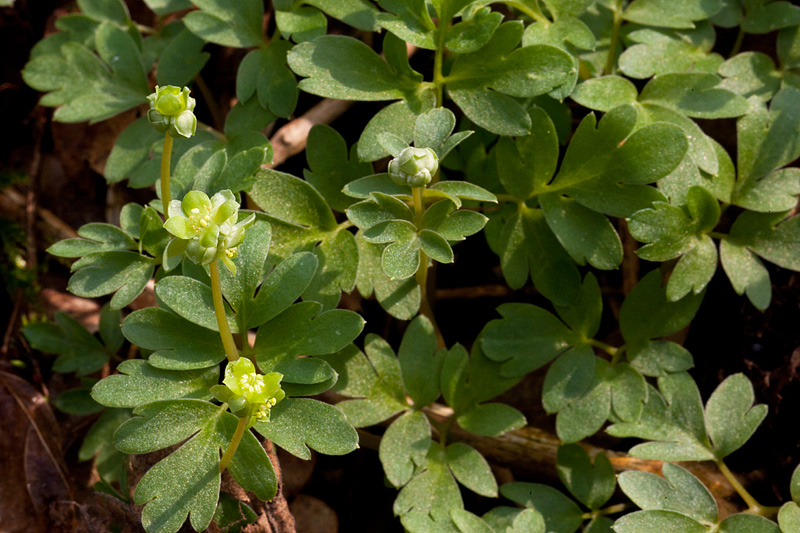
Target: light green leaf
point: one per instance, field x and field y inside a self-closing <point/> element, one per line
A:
<point x="659" y="358"/>
<point x="471" y="469"/>
<point x="296" y="424"/>
<point x="263" y="72"/>
<point x="307" y="208"/>
<point x="420" y="361"/>
<point x="140" y="383"/>
<point x="747" y="273"/>
<point x="400" y="298"/>
<point x="694" y="95"/>
<point x="95" y="237"/>
<point x="101" y="273"/>
<point x="642" y="521"/>
<point x="491" y="419"/>
<point x="433" y="491"/>
<point x="404" y="446"/>
<point x="731" y="418"/>
<point x="192" y="300"/>
<point x="337" y="270"/>
<point x="789" y="517"/>
<point x="671" y="14"/>
<point x="744" y="523"/>
<point x="605" y="93"/>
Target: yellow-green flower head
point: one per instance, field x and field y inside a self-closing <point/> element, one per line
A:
<point x="171" y="109"/>
<point x="414" y="167"/>
<point x="249" y="393"/>
<point x="207" y="228"/>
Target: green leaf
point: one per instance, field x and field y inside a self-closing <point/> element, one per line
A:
<point x="232" y="515"/>
<point x="112" y="10"/>
<point x="98" y="444"/>
<point x="526" y="338"/>
<point x="587" y="414"/>
<point x="410" y="22"/>
<point x="218" y="22"/>
<point x="177" y="344"/>
<point x="374" y="378"/>
<point x="337" y="271"/>
<point x="78" y="350"/>
<point x="743" y="523"/>
<point x="605" y="93"/>
<point x="307" y="208"/>
<point x="263" y="72"/>
<point x="659" y="358"/>
<point x="400" y="298"/>
<point x="671" y="14"/>
<point x="789" y="517"/>
<point x="642" y="521"/>
<point x="357" y="13"/>
<point x="678" y="491"/>
<point x="766" y="17"/>
<point x="695" y="95"/>
<point x="648" y="314"/>
<point x="471" y="469"/>
<point x="296" y="424"/>
<point x="95" y="237"/>
<point x="568" y="378"/>
<point x="769" y="237"/>
<point x="101" y="273"/>
<point x="283" y="286"/>
<point x="659" y="52"/>
<point x="140" y="383"/>
<point x="301" y="23"/>
<point x="592" y="484"/>
<point x="751" y="74"/>
<point x="336" y="66"/>
<point x="511" y="520"/>
<point x="398" y="118"/>
<point x="561" y="515"/>
<point x="330" y="168"/>
<point x="585" y="234"/>
<point x="420" y="362"/>
<point x="674" y="422"/>
<point x="491" y="419"/>
<point x="731" y="418"/>
<point x="528" y="164"/>
<point x="694" y="270"/>
<point x="454" y="225"/>
<point x="404" y="446"/>
<point x="747" y="273"/>
<point x="192" y="300"/>
<point x="433" y="491"/>
<point x="181" y="60"/>
<point x="473" y="32"/>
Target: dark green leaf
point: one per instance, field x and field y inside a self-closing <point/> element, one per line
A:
<point x="561" y="515"/>
<point x="420" y="362"/>
<point x="227" y="25"/>
<point x="123" y="273"/>
<point x="694" y="95"/>
<point x="77" y="349"/>
<point x="592" y="484"/>
<point x="404" y="446"/>
<point x="731" y="417"/>
<point x="471" y="469"/>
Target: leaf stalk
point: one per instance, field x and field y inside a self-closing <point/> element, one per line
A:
<point x="219" y="310"/>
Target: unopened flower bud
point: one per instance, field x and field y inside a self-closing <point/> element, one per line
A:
<point x="171" y="110"/>
<point x="414" y="167"/>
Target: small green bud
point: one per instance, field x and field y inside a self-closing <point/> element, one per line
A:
<point x="210" y="227"/>
<point x="171" y="110"/>
<point x="250" y="394"/>
<point x="414" y="167"/>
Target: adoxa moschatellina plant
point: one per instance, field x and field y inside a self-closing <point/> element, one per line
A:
<point x="548" y="197"/>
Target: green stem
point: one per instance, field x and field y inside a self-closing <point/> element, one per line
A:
<point x="737" y="45"/>
<point x="438" y="59"/>
<point x="422" y="272"/>
<point x="519" y="6"/>
<point x="611" y="61"/>
<point x="610" y="350"/>
<point x="166" y="156"/>
<point x="219" y="309"/>
<point x="752" y="505"/>
<point x="237" y="438"/>
<point x="611" y="509"/>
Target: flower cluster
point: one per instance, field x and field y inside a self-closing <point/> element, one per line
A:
<point x="171" y="109"/>
<point x="207" y="228"/>
<point x="414" y="167"/>
<point x="248" y="393"/>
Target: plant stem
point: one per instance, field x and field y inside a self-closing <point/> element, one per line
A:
<point x="438" y="59"/>
<point x="166" y="157"/>
<point x="611" y="509"/>
<point x="752" y="505"/>
<point x="237" y="438"/>
<point x="738" y="43"/>
<point x="219" y="309"/>
<point x="610" y="350"/>
<point x="612" y="47"/>
<point x="422" y="272"/>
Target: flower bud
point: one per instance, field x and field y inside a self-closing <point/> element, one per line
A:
<point x="248" y="393"/>
<point x="414" y="167"/>
<point x="171" y="110"/>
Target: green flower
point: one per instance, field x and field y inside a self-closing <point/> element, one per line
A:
<point x="206" y="228"/>
<point x="248" y="393"/>
<point x="171" y="109"/>
<point x="414" y="167"/>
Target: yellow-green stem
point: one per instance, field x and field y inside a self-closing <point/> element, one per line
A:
<point x="611" y="61"/>
<point x="611" y="509"/>
<point x="219" y="310"/>
<point x="166" y="157"/>
<point x="610" y="350"/>
<point x="237" y="438"/>
<point x="752" y="505"/>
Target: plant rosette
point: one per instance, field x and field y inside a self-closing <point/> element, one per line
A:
<point x="207" y="228"/>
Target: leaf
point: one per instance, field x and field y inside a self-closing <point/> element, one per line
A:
<point x="568" y="378"/>
<point x="404" y="446"/>
<point x="78" y="350"/>
<point x="188" y="480"/>
<point x="301" y="23"/>
<point x="338" y="267"/>
<point x="77" y="401"/>
<point x="743" y="523"/>
<point x="101" y="273"/>
<point x="767" y="17"/>
<point x="140" y="383"/>
<point x="398" y="118"/>
<point x="671" y="14"/>
<point x="674" y="422"/>
<point x="308" y="208"/>
<point x="659" y="358"/>
<point x="695" y="95"/>
<point x="264" y="72"/>
<point x="769" y="237"/>
<point x="336" y="66"/>
<point x="605" y="93"/>
<point x="789" y="517"/>
<point x="471" y="469"/>
<point x="659" y="52"/>
<point x="409" y="21"/>
<point x="95" y="237"/>
<point x="330" y="168"/>
<point x="374" y="378"/>
<point x="357" y="13"/>
<point x="592" y="484"/>
<point x="642" y="521"/>
<point x="473" y="32"/>
<point x="526" y="338"/>
<point x="731" y="418"/>
<point x="281" y="288"/>
<point x="181" y="60"/>
<point x="747" y="273"/>
<point x="220" y="23"/>
<point x="400" y="298"/>
<point x="483" y="83"/>
<point x="420" y="362"/>
<point x="177" y="344"/>
<point x="561" y="515"/>
<point x="98" y="444"/>
<point x="751" y="74"/>
<point x="678" y="491"/>
<point x="433" y="491"/>
<point x="296" y="424"/>
<point x="587" y="414"/>
<point x="648" y="314"/>
<point x="192" y="300"/>
<point x="491" y="419"/>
